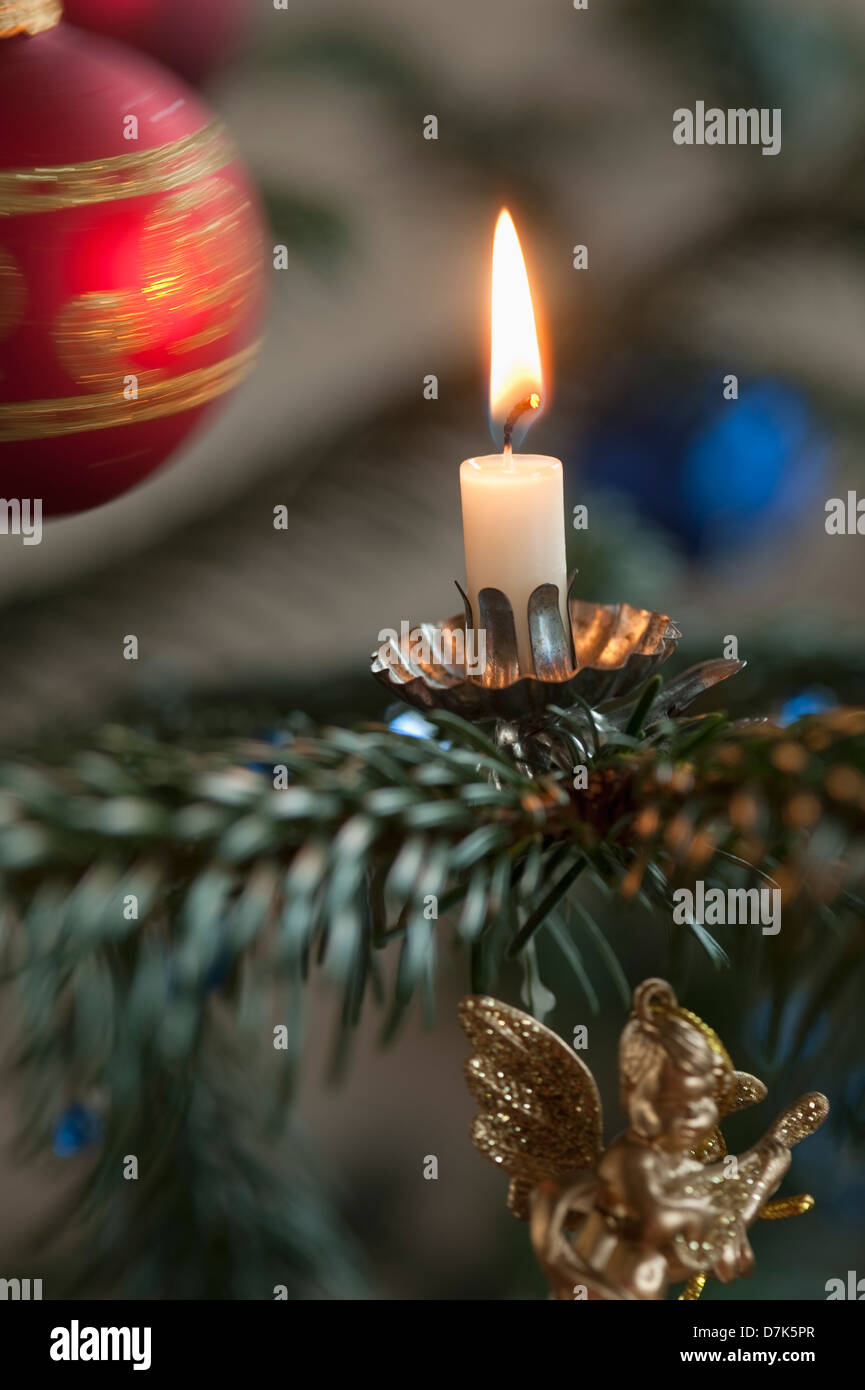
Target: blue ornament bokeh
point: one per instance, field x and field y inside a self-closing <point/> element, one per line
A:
<point x="78" y="1128"/>
<point x="716" y="474"/>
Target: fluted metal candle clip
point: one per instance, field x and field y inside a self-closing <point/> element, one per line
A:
<point x="610" y="651"/>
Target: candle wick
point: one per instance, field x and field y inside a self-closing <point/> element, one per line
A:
<point x="509" y="455"/>
<point x="530" y="403"/>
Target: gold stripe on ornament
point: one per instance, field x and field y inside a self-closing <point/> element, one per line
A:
<point x="78" y="414"/>
<point x="123" y="176"/>
<point x="28" y="16"/>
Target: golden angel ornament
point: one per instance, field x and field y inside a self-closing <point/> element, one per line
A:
<point x="664" y="1202"/>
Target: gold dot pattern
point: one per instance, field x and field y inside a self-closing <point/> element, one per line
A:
<point x="96" y="336"/>
<point x="200" y="256"/>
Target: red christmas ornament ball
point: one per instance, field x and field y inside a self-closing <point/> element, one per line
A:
<point x="131" y="266"/>
<point x="194" y="37"/>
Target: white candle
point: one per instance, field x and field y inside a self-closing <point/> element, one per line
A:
<point x="513" y="504"/>
<point x="514" y="533"/>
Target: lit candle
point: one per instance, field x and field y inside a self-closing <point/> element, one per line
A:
<point x="513" y="504"/>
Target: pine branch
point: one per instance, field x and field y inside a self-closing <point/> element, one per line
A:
<point x="226" y="870"/>
<point x="164" y="907"/>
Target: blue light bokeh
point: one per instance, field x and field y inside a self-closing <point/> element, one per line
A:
<point x="718" y="474"/>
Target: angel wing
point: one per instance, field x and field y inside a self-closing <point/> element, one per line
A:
<point x="540" y="1111"/>
<point x="745" y="1090"/>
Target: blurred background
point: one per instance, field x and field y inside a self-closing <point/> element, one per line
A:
<point x="701" y="262"/>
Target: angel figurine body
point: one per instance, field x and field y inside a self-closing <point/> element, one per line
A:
<point x="663" y="1203"/>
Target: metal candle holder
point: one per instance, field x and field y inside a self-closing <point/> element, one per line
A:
<point x="610" y="651"/>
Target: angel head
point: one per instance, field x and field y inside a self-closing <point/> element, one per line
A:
<point x="675" y="1076"/>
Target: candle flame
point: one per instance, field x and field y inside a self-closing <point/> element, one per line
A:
<point x="515" y="359"/>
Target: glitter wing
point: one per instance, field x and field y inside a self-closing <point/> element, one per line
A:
<point x="540" y="1112"/>
<point x="745" y="1090"/>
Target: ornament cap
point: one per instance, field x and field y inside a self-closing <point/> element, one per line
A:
<point x="28" y="16"/>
